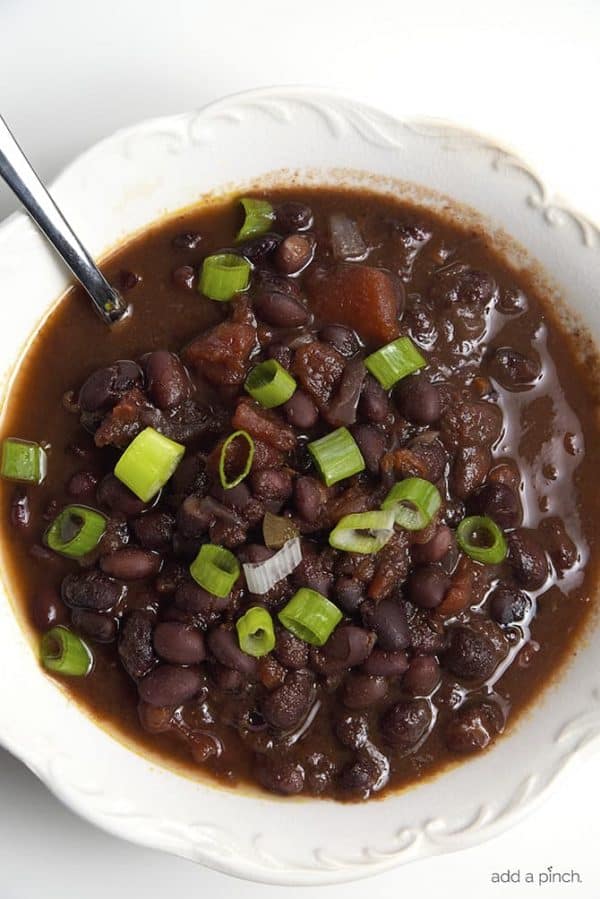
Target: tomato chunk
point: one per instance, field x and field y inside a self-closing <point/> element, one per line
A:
<point x="369" y="300"/>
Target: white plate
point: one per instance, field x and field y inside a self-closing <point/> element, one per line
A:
<point x="120" y="186"/>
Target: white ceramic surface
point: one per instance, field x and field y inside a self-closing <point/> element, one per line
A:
<point x="121" y="185"/>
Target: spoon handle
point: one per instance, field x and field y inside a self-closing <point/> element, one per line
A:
<point x="18" y="173"/>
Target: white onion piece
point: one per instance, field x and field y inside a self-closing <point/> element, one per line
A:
<point x="346" y="239"/>
<point x="261" y="576"/>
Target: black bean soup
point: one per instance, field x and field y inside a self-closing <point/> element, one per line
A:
<point x="329" y="529"/>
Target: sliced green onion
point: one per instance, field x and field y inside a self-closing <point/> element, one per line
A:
<point x="228" y="484"/>
<point x="363" y="532"/>
<point x="394" y="361"/>
<point x="258" y="217"/>
<point x="224" y="275"/>
<point x="310" y="616"/>
<point x="148" y="463"/>
<point x="23" y="460"/>
<point x="337" y="456"/>
<point x="270" y="384"/>
<point x="261" y="576"/>
<point x="481" y="539"/>
<point x="414" y="503"/>
<point x="64" y="652"/>
<point x="75" y="532"/>
<point x="277" y="530"/>
<point x="256" y="634"/>
<point x="216" y="569"/>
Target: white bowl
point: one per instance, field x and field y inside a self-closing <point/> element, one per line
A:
<point x="118" y="187"/>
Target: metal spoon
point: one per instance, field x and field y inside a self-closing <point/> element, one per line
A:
<point x="17" y="172"/>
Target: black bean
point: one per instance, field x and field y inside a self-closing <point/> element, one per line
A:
<point x="508" y="604"/>
<point x="372" y="444"/>
<point x="435" y="549"/>
<point x="352" y="731"/>
<point x="131" y="563"/>
<point x="115" y="536"/>
<point x="374" y="403"/>
<point x="179" y="644"/>
<point x="189" y="597"/>
<point x="184" y="277"/>
<point x="349" y="593"/>
<point x="405" y="723"/>
<point x="418" y="400"/>
<point x="127" y="280"/>
<point x="168" y="383"/>
<point x="361" y="690"/>
<point x="224" y="646"/>
<point x="155" y="719"/>
<point x="188" y="240"/>
<point x="292" y="216"/>
<point x="363" y="774"/>
<point x="467" y="423"/>
<point x="388" y="619"/>
<point x="98" y="627"/>
<point x="427" y="635"/>
<point x="195" y="515"/>
<point x="257" y="249"/>
<point x="271" y="673"/>
<point x="268" y="280"/>
<point x="168" y="685"/>
<point x="512" y="369"/>
<point x="347" y="647"/>
<point x="106" y="386"/>
<point x="290" y="651"/>
<point x="282" y="353"/>
<point x="280" y="775"/>
<point x="280" y="310"/>
<point x="422" y="677"/>
<point x="559" y="545"/>
<point x="287" y="706"/>
<point x="171" y="576"/>
<point x="473" y="727"/>
<point x="431" y="456"/>
<point x="309" y="498"/>
<point x="386" y="664"/>
<point x="82" y="485"/>
<point x="154" y="530"/>
<point x="255" y="552"/>
<point x="319" y="770"/>
<point x="294" y="253"/>
<point x="227" y="679"/>
<point x="453" y="512"/>
<point x="191" y="476"/>
<point x="427" y="586"/>
<point x="236" y="497"/>
<point x="343" y="339"/>
<point x="92" y="590"/>
<point x="47" y="609"/>
<point x="497" y="501"/>
<point x="463" y="285"/>
<point x="119" y="498"/>
<point x="470" y="654"/>
<point x="469" y="470"/>
<point x="272" y="485"/>
<point x="528" y="559"/>
<point x="300" y="411"/>
<point x="135" y="644"/>
<point x="20" y="512"/>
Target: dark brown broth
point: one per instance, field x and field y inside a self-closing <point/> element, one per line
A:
<point x="73" y="343"/>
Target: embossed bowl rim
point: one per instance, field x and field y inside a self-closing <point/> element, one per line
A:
<point x="119" y="186"/>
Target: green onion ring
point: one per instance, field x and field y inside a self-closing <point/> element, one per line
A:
<point x="225" y="484"/>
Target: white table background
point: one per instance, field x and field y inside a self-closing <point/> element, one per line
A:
<point x="525" y="71"/>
